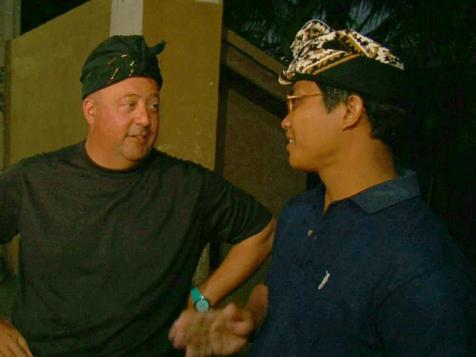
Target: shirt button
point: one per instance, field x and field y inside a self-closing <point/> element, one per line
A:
<point x="310" y="233"/>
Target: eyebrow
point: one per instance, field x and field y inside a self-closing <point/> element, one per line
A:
<point x="134" y="95"/>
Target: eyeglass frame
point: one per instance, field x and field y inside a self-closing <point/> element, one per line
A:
<point x="290" y="98"/>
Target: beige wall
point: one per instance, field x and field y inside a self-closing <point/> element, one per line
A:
<point x="189" y="99"/>
<point x="189" y="96"/>
<point x="255" y="156"/>
<point x="45" y="89"/>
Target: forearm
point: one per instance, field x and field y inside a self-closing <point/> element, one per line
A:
<point x="240" y="263"/>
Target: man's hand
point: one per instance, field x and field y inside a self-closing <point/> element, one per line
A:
<point x="220" y="332"/>
<point x="12" y="343"/>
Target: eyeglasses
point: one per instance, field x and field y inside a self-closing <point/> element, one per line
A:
<point x="291" y="99"/>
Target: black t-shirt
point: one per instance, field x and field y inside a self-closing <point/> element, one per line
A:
<point x="107" y="257"/>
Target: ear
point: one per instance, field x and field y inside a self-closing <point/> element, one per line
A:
<point x="89" y="110"/>
<point x="354" y="111"/>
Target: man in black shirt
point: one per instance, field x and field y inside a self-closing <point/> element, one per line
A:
<point x="112" y="229"/>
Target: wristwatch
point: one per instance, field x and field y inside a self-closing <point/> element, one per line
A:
<point x="200" y="302"/>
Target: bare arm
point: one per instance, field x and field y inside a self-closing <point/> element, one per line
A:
<point x="239" y="264"/>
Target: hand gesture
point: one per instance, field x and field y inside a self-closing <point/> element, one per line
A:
<point x="220" y="332"/>
<point x="12" y="343"/>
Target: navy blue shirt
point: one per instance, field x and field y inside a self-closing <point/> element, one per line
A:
<point x="376" y="274"/>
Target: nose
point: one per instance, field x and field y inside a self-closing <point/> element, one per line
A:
<point x="144" y="117"/>
<point x="286" y="123"/>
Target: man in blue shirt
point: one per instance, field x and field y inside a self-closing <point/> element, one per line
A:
<point x="360" y="265"/>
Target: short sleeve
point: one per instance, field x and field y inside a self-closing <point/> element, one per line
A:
<point x="10" y="202"/>
<point x="230" y="213"/>
<point x="431" y="315"/>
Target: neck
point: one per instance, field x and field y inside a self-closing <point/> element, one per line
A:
<point x="94" y="152"/>
<point x="357" y="171"/>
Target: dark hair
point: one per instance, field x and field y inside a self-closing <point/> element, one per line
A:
<point x="386" y="119"/>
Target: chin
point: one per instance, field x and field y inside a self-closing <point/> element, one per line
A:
<point x="137" y="155"/>
<point x="300" y="166"/>
<point x="294" y="161"/>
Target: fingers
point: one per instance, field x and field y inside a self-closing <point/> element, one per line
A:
<point x="12" y="343"/>
<point x="190" y="332"/>
<point x="15" y="350"/>
<point x="235" y="320"/>
<point x="231" y="310"/>
<point x="225" y="345"/>
<point x="23" y="346"/>
<point x="230" y="329"/>
<point x="198" y="345"/>
<point x="178" y="338"/>
<point x="177" y="334"/>
<point x="217" y="331"/>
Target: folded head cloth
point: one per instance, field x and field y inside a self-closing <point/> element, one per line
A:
<point x="345" y="59"/>
<point x="118" y="58"/>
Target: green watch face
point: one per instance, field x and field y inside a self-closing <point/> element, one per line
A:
<point x="202" y="305"/>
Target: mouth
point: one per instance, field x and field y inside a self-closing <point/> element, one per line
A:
<point x="139" y="138"/>
<point x="289" y="143"/>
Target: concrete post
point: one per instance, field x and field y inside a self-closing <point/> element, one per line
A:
<point x="10" y="13"/>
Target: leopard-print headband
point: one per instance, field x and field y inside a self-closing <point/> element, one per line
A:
<point x="344" y="59"/>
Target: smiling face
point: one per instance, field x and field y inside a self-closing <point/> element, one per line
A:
<point x="123" y="121"/>
<point x="313" y="133"/>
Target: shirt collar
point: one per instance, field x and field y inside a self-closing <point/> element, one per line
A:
<point x="388" y="193"/>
